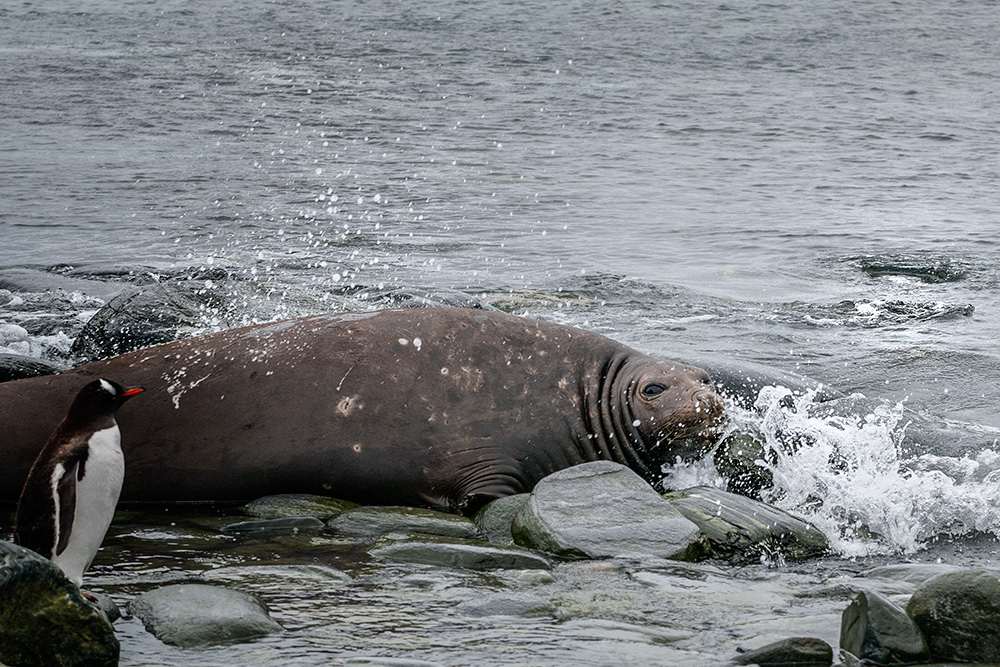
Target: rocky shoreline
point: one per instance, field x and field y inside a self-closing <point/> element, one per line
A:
<point x="592" y="565"/>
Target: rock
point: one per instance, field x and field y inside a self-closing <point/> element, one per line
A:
<point x="796" y="651"/>
<point x="507" y="604"/>
<point x="297" y="504"/>
<point x="375" y="521"/>
<point x="450" y="552"/>
<point x="197" y="615"/>
<point x="496" y="517"/>
<point x="739" y="458"/>
<point x="18" y="367"/>
<point x="143" y="316"/>
<point x="958" y="613"/>
<point x="291" y="524"/>
<point x="603" y="509"/>
<point x="44" y="619"/>
<point x="873" y="628"/>
<point x="742" y="529"/>
<point x="106" y="605"/>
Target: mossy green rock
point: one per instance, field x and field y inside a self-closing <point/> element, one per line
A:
<point x="742" y="529"/>
<point x="959" y="613"/>
<point x="495" y="519"/>
<point x="44" y="620"/>
<point x="451" y="552"/>
<point x="375" y="521"/>
<point x="603" y="509"/>
<point x="197" y="615"/>
<point x="295" y="505"/>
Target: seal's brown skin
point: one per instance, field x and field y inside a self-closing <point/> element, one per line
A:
<point x="442" y="407"/>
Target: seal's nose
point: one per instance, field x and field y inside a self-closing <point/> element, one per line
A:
<point x="709" y="402"/>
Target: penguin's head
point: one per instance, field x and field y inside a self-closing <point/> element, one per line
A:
<point x="101" y="397"/>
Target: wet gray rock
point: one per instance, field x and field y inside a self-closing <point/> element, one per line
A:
<point x="291" y="524"/>
<point x="603" y="509"/>
<point x="874" y="629"/>
<point x="507" y="604"/>
<point x="197" y="615"/>
<point x="795" y="651"/>
<point x="18" y="367"/>
<point x="375" y="521"/>
<point x="959" y="613"/>
<point x="44" y="619"/>
<point x="450" y="552"/>
<point x="297" y="504"/>
<point x="744" y="530"/>
<point x="139" y="317"/>
<point x="106" y="605"/>
<point x="495" y="518"/>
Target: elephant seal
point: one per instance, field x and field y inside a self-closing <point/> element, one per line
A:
<point x="440" y="407"/>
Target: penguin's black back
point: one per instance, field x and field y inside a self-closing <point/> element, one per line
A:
<point x="92" y="410"/>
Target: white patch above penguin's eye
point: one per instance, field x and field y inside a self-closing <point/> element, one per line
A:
<point x="108" y="387"/>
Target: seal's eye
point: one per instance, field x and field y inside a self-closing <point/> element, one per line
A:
<point x="653" y="389"/>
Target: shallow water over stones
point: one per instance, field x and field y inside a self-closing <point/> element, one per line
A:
<point x="339" y="605"/>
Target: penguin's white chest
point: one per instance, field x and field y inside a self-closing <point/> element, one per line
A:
<point x="96" y="498"/>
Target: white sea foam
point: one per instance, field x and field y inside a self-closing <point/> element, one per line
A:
<point x="849" y="475"/>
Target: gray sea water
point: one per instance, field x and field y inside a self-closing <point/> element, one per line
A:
<point x="814" y="187"/>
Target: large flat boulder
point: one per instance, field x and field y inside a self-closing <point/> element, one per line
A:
<point x="742" y="529"/>
<point x="197" y="615"/>
<point x="603" y="509"/>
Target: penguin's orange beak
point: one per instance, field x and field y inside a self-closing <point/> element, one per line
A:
<point x="133" y="391"/>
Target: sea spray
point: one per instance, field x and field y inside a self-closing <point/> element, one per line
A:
<point x="844" y="466"/>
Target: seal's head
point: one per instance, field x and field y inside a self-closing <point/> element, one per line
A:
<point x="673" y="411"/>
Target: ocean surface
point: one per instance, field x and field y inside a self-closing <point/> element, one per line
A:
<point x="809" y="187"/>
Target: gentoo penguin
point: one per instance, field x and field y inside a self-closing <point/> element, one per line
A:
<point x="70" y="496"/>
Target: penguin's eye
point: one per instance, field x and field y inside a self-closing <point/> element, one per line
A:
<point x="653" y="389"/>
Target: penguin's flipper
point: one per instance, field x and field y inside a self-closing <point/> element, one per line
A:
<point x="66" y="501"/>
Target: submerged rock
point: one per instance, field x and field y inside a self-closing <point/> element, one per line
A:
<point x="197" y="615"/>
<point x="450" y="552"/>
<point x="289" y="524"/>
<point x="375" y="521"/>
<point x="507" y="604"/>
<point x="495" y="518"/>
<point x="18" y="367"/>
<point x="297" y="504"/>
<point x="603" y="509"/>
<point x="874" y="629"/>
<point x="742" y="529"/>
<point x="44" y="619"/>
<point x="795" y="651"/>
<point x="959" y="613"/>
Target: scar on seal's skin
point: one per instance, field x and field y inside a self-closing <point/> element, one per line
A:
<point x="349" y="404"/>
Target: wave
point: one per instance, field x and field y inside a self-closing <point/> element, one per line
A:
<point x="854" y="475"/>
